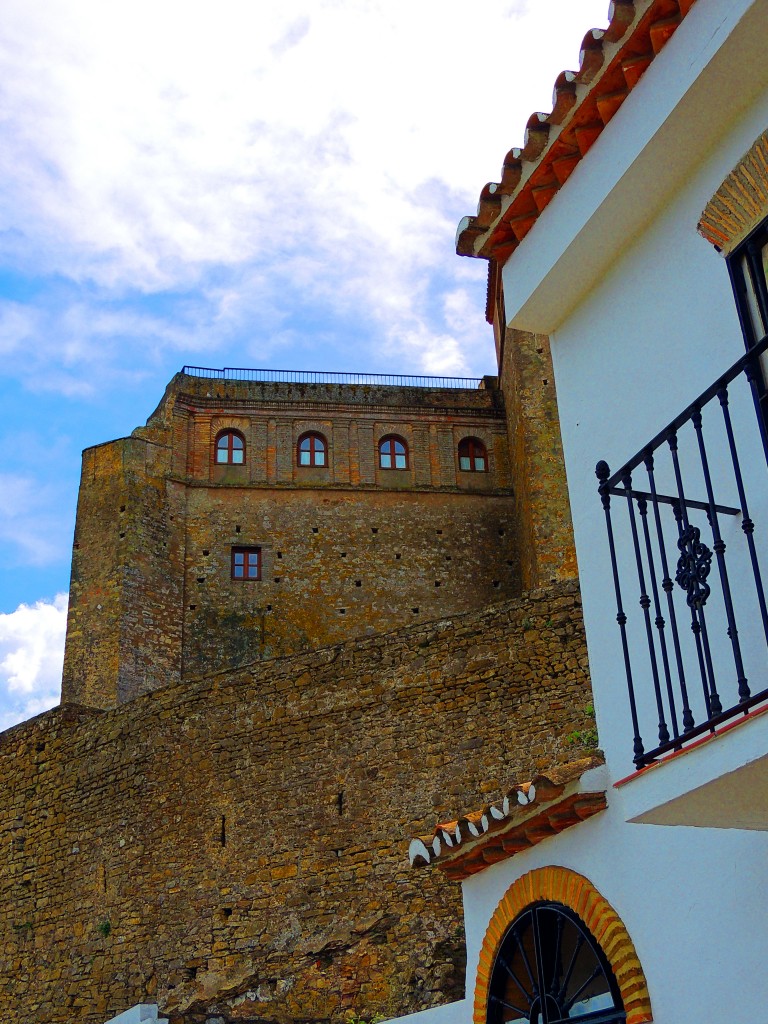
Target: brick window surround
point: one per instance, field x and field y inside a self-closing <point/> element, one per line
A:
<point x="393" y="452"/>
<point x="741" y="202"/>
<point x="559" y="885"/>
<point x="246" y="564"/>
<point x="312" y="450"/>
<point x="473" y="457"/>
<point x="230" y="448"/>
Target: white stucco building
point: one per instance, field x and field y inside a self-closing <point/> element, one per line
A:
<point x="632" y="230"/>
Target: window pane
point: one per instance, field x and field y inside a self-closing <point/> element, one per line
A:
<point x="304" y="458"/>
<point x="237" y="457"/>
<point x="480" y="463"/>
<point x="399" y="461"/>
<point x="237" y="442"/>
<point x="221" y="454"/>
<point x="386" y="460"/>
<point x="399" y="447"/>
<point x="758" y="327"/>
<point x="464" y="462"/>
<point x="304" y="444"/>
<point x="246" y="563"/>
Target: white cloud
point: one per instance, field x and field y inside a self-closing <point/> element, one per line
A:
<point x="18" y="324"/>
<point x="332" y="146"/>
<point x="34" y="529"/>
<point x="219" y="181"/>
<point x="31" y="658"/>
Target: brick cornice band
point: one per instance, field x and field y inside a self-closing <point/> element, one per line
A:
<point x="741" y="202"/>
<point x="559" y="885"/>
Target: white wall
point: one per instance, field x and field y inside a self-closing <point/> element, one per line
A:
<point x="141" y="1013"/>
<point x="693" y="901"/>
<point x="656" y="328"/>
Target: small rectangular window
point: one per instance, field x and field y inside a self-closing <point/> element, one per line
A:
<point x="246" y="564"/>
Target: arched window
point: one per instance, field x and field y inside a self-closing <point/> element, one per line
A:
<point x="393" y="453"/>
<point x="473" y="458"/>
<point x="312" y="450"/>
<point x="549" y="969"/>
<point x="230" y="448"/>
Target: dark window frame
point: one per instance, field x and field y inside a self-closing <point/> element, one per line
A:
<point x="230" y="448"/>
<point x="246" y="552"/>
<point x="748" y="270"/>
<point x="473" y="449"/>
<point x="388" y="450"/>
<point x="313" y="436"/>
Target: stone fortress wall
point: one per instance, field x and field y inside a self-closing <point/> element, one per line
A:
<point x="216" y="818"/>
<point x="234" y="847"/>
<point x="349" y="549"/>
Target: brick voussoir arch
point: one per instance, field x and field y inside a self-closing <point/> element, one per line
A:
<point x="559" y="885"/>
<point x="741" y="202"/>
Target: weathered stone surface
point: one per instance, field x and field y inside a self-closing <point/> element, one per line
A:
<point x="545" y="539"/>
<point x="347" y="550"/>
<point x="235" y="847"/>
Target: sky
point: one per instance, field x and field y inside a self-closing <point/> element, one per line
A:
<point x="233" y="184"/>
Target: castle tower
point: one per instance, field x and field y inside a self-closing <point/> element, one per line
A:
<point x="252" y="519"/>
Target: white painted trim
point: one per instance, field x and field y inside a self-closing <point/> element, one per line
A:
<point x="450" y="1013"/>
<point x="720" y="783"/>
<point x="139" y="1013"/>
<point x="691" y="97"/>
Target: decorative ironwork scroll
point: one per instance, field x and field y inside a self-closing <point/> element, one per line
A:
<point x="693" y="567"/>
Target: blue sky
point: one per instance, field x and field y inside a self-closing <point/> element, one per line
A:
<point x="240" y="184"/>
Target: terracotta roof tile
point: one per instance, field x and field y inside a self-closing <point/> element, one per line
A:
<point x="524" y="816"/>
<point x="611" y="63"/>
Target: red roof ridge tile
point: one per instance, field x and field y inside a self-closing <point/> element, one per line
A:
<point x="527" y="813"/>
<point x="611" y="62"/>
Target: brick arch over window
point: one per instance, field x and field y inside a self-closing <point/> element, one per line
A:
<point x="741" y="202"/>
<point x="229" y="449"/>
<point x="559" y="885"/>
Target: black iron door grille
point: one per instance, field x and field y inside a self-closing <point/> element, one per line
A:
<point x="550" y="970"/>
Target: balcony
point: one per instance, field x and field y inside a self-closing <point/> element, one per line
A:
<point x="686" y="523"/>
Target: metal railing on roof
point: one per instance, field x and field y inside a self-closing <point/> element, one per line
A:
<point x="327" y="377"/>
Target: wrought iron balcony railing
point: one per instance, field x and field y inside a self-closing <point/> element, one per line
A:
<point x="685" y="544"/>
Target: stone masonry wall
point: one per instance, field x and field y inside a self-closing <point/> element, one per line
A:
<point x="235" y="847"/>
<point x="124" y="627"/>
<point x="334" y="566"/>
<point x="546" y="545"/>
<point x="347" y="549"/>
